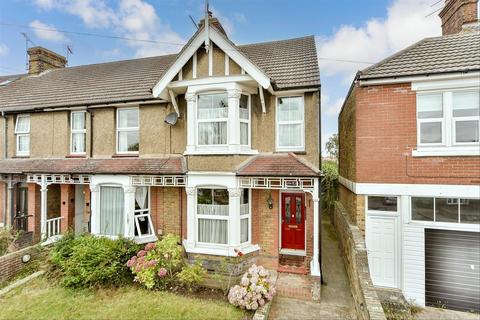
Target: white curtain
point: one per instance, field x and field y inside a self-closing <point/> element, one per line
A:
<point x="212" y="133"/>
<point x="78" y="141"/>
<point x="212" y="209"/>
<point x="111" y="211"/>
<point x="243" y="133"/>
<point x="141" y="194"/>
<point x="243" y="230"/>
<point x="290" y="135"/>
<point x="430" y="105"/>
<point x="466" y="104"/>
<point x="78" y="120"/>
<point x="212" y="231"/>
<point x="128" y="118"/>
<point x="23" y="125"/>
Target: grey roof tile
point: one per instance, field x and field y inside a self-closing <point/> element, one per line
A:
<point x="453" y="53"/>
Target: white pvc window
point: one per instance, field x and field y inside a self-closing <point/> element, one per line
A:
<point x="143" y="220"/>
<point x="111" y="211"/>
<point x="22" y="133"/>
<point x="466" y="117"/>
<point x="453" y="210"/>
<point x="212" y="119"/>
<point x="244" y="111"/>
<point x="127" y="130"/>
<point x="430" y="119"/>
<point x="290" y="124"/>
<point x="212" y="216"/>
<point x="77" y="132"/>
<point x="245" y="216"/>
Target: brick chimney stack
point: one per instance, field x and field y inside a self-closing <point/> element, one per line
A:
<point x="41" y="59"/>
<point x="214" y="22"/>
<point x="459" y="15"/>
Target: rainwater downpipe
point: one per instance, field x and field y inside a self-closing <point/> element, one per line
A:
<point x="320" y="182"/>
<point x="5" y="124"/>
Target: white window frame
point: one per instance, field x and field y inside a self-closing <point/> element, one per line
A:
<point x="249" y="121"/>
<point x="144" y="213"/>
<point x="431" y="120"/>
<point x="78" y="131"/>
<point x="19" y="134"/>
<point x="450" y="200"/>
<point x="449" y="146"/>
<point x="279" y="148"/>
<point x="127" y="129"/>
<point x="248" y="216"/>
<point x="210" y="120"/>
<point x="211" y="217"/>
<point x="99" y="208"/>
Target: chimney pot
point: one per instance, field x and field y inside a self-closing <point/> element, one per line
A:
<point x="41" y="59"/>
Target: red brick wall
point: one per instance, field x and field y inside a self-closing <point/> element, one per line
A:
<point x="2" y="203"/>
<point x="11" y="264"/>
<point x="167" y="208"/>
<point x="67" y="209"/>
<point x="34" y="210"/>
<point x="386" y="135"/>
<point x="456" y="13"/>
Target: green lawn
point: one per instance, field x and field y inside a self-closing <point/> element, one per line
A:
<point x="41" y="300"/>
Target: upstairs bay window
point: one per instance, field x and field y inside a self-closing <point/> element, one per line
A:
<point x="448" y="119"/>
<point x="77" y="132"/>
<point x="244" y="120"/>
<point x="22" y="133"/>
<point x="212" y="119"/>
<point x="127" y="130"/>
<point x="290" y="126"/>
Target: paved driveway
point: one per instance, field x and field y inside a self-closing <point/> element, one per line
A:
<point x="336" y="300"/>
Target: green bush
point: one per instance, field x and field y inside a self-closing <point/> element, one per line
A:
<point x="6" y="238"/>
<point x="329" y="184"/>
<point x="89" y="261"/>
<point x="161" y="265"/>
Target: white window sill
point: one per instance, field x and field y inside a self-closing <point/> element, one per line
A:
<point x="290" y="149"/>
<point x="446" y="151"/>
<point x="219" y="152"/>
<point x="220" y="250"/>
<point x="145" y="239"/>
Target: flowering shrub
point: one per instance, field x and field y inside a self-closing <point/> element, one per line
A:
<point x="161" y="265"/>
<point x="256" y="288"/>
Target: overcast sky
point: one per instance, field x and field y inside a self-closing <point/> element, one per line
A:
<point x="360" y="31"/>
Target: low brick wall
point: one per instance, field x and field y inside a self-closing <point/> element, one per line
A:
<point x="22" y="241"/>
<point x="11" y="264"/>
<point x="367" y="303"/>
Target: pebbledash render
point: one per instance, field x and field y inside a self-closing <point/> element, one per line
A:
<point x="218" y="144"/>
<point x="409" y="164"/>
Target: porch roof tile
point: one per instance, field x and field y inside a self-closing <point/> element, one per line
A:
<point x="167" y="165"/>
<point x="278" y="165"/>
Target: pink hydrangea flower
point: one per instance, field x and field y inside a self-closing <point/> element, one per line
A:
<point x="141" y="253"/>
<point x="162" y="272"/>
<point x="150" y="246"/>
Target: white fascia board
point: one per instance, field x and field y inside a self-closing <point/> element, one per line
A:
<point x="240" y="59"/>
<point x="458" y="75"/>
<point x="177" y="66"/>
<point x="469" y="80"/>
<point x="210" y="80"/>
<point x="422" y="190"/>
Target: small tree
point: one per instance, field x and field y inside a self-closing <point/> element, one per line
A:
<point x="332" y="146"/>
<point x="329" y="185"/>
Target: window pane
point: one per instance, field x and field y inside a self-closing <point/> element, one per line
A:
<point x="290" y="109"/>
<point x="244" y="107"/>
<point x="204" y="196"/>
<point x="111" y="211"/>
<point x="466" y="131"/>
<point x="128" y="141"/>
<point x="422" y="209"/>
<point x="78" y="142"/>
<point x="446" y="210"/>
<point x="220" y="196"/>
<point x="470" y="211"/>
<point x="141" y="198"/>
<point x="431" y="132"/>
<point x="22" y="125"/>
<point x="244" y="198"/>
<point x="382" y="203"/>
<point x="24" y="143"/>
<point x="128" y="118"/>
<point x="466" y="104"/>
<point x="290" y="135"/>
<point x="430" y="106"/>
<point x="210" y="133"/>
<point x="243" y="230"/>
<point x="212" y="231"/>
<point x="212" y="106"/>
<point x="78" y="120"/>
<point x="243" y="133"/>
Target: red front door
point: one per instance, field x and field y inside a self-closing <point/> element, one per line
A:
<point x="293" y="221"/>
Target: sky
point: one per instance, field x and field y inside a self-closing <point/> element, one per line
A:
<point x="350" y="35"/>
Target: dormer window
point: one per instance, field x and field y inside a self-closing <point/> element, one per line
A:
<point x="219" y="121"/>
<point x="22" y="133"/>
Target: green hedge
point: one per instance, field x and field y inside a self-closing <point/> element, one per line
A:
<point x="329" y="184"/>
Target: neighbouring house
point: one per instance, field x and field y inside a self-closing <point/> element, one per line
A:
<point x="409" y="164"/>
<point x="218" y="144"/>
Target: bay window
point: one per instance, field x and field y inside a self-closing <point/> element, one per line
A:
<point x="127" y="130"/>
<point x="111" y="210"/>
<point x="22" y="133"/>
<point x="244" y="120"/>
<point x="212" y="119"/>
<point x="77" y="132"/>
<point x="212" y="215"/>
<point x="245" y="216"/>
<point x="290" y="126"/>
<point x="453" y="210"/>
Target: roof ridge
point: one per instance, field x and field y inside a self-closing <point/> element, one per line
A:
<point x="304" y="162"/>
<point x="276" y="41"/>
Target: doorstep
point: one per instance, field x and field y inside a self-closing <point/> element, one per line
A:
<point x="304" y="287"/>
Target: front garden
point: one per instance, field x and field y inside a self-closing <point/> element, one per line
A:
<point x="92" y="277"/>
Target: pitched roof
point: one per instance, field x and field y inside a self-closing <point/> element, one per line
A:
<point x="161" y="166"/>
<point x="278" y="165"/>
<point x="452" y="53"/>
<point x="289" y="63"/>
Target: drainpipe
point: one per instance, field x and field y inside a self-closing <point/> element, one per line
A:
<point x="5" y="194"/>
<point x="90" y="132"/>
<point x="320" y="183"/>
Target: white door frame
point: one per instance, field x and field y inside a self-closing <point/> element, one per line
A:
<point x="398" y="234"/>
